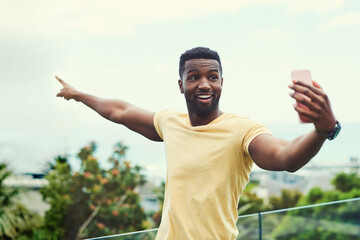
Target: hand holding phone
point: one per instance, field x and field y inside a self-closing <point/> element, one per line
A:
<point x="303" y="76"/>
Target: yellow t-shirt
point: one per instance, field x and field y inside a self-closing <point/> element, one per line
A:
<point x="208" y="168"/>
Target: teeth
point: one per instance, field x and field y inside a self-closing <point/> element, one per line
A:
<point x="204" y="96"/>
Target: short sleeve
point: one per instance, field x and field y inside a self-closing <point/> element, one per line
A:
<point x="254" y="131"/>
<point x="159" y="118"/>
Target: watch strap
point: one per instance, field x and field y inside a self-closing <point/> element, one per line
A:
<point x="331" y="135"/>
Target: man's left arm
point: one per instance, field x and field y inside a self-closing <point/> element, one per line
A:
<point x="272" y="153"/>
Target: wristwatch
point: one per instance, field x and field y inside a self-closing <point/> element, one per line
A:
<point x="331" y="135"/>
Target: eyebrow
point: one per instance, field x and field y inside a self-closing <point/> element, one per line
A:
<point x="197" y="70"/>
<point x="193" y="70"/>
<point x="213" y="70"/>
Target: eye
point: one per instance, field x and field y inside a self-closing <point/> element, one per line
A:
<point x="192" y="77"/>
<point x="213" y="77"/>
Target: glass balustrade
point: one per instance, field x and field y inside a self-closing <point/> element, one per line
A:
<point x="337" y="220"/>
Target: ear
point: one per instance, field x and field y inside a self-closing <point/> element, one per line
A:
<point x="222" y="79"/>
<point x="181" y="86"/>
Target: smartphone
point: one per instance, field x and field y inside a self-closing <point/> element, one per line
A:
<point x="303" y="76"/>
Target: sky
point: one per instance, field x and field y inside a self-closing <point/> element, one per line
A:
<point x="130" y="50"/>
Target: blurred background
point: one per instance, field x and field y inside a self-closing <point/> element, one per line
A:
<point x="130" y="50"/>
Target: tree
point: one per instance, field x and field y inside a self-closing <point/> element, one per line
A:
<point x="94" y="201"/>
<point x="338" y="221"/>
<point x="160" y="194"/>
<point x="57" y="195"/>
<point x="250" y="202"/>
<point x="287" y="199"/>
<point x="346" y="182"/>
<point x="15" y="218"/>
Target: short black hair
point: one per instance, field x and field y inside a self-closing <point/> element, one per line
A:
<point x="195" y="53"/>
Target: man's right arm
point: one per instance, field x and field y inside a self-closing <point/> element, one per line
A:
<point x="118" y="111"/>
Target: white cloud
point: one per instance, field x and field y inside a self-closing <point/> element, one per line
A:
<point x="347" y="19"/>
<point x="298" y="6"/>
<point x="72" y="19"/>
<point x="275" y="33"/>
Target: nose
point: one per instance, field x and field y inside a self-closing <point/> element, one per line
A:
<point x="204" y="84"/>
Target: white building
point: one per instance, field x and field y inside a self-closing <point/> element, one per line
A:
<point x="31" y="197"/>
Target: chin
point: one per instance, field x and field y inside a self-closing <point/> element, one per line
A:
<point x="204" y="111"/>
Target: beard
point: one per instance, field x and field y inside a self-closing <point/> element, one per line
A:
<point x="200" y="109"/>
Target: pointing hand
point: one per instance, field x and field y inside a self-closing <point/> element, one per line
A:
<point x="68" y="92"/>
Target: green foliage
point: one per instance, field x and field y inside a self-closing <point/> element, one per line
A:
<point x="160" y="193"/>
<point x="7" y="193"/>
<point x="15" y="218"/>
<point x="250" y="202"/>
<point x="57" y="195"/>
<point x="39" y="234"/>
<point x="93" y="201"/>
<point x="337" y="221"/>
<point x="287" y="199"/>
<point x="346" y="182"/>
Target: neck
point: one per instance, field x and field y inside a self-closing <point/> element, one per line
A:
<point x="199" y="120"/>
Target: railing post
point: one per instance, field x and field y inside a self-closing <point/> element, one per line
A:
<point x="260" y="226"/>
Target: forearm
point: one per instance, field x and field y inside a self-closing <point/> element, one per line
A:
<point x="272" y="153"/>
<point x="297" y="153"/>
<point x="110" y="109"/>
<point x="134" y="118"/>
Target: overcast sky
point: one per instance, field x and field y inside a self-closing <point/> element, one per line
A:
<point x="130" y="50"/>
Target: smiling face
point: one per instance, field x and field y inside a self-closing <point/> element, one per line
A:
<point x="201" y="85"/>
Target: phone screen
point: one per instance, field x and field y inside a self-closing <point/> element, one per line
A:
<point x="303" y="76"/>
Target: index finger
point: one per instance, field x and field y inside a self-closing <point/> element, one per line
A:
<point x="60" y="80"/>
<point x="316" y="84"/>
<point x="314" y="87"/>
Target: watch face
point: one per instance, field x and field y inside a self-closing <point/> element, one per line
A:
<point x="335" y="131"/>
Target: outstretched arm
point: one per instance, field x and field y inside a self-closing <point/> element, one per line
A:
<point x="272" y="153"/>
<point x="134" y="118"/>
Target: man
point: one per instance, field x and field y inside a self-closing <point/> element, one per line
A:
<point x="209" y="153"/>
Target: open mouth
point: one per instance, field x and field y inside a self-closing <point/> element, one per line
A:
<point x="204" y="96"/>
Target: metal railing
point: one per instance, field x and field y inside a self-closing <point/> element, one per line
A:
<point x="330" y="220"/>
